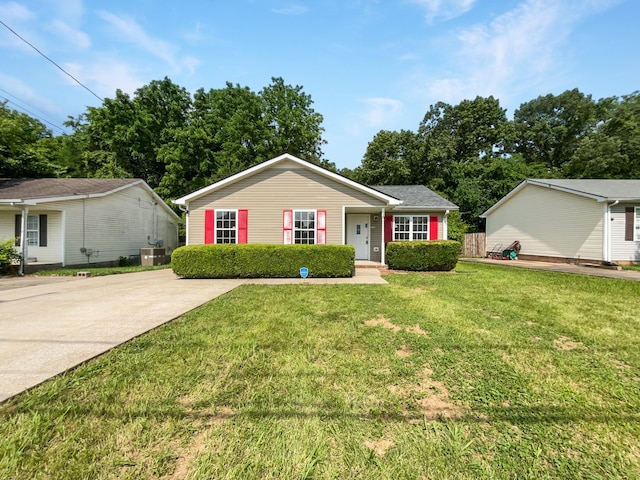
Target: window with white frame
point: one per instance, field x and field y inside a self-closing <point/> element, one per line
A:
<point x="304" y="226"/>
<point x="33" y="230"/>
<point x="226" y="223"/>
<point x="637" y="224"/>
<point x="411" y="227"/>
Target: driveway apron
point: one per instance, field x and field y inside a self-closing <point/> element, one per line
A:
<point x="49" y="328"/>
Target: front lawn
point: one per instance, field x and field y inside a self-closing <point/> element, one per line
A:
<point x="490" y="372"/>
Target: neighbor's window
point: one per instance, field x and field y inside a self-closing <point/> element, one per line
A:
<point x="33" y="226"/>
<point x="410" y="227"/>
<point x="637" y="224"/>
<point x="226" y="226"/>
<point x="304" y="227"/>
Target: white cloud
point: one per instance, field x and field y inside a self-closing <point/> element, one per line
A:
<point x="70" y="35"/>
<point x="105" y="75"/>
<point x="444" y="9"/>
<point x="516" y="50"/>
<point x="71" y="11"/>
<point x="381" y="111"/>
<point x="14" y="12"/>
<point x="291" y="10"/>
<point x="129" y="31"/>
<point x="24" y="93"/>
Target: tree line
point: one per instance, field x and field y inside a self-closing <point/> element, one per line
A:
<point x="471" y="153"/>
<point x="174" y="141"/>
<point x="474" y="155"/>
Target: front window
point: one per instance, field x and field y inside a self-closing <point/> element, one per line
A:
<point x="226" y="226"/>
<point x="410" y="227"/>
<point x="33" y="225"/>
<point x="304" y="227"/>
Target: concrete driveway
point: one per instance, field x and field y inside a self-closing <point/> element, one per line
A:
<point x="51" y="324"/>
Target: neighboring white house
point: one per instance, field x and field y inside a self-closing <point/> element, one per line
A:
<point x="79" y="221"/>
<point x="569" y="220"/>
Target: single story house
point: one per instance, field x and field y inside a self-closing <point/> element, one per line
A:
<point x="78" y="221"/>
<point x="569" y="220"/>
<point x="288" y="200"/>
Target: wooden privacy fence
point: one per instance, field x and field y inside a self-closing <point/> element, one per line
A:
<point x="475" y="245"/>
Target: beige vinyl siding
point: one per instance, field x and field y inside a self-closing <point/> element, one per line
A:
<point x="548" y="222"/>
<point x="285" y="186"/>
<point x="622" y="250"/>
<point x="376" y="234"/>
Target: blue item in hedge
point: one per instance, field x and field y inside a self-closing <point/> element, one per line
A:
<point x="304" y="272"/>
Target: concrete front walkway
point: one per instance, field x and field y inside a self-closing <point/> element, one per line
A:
<point x="632" y="275"/>
<point x="51" y="324"/>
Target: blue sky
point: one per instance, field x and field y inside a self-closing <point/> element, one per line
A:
<point x="369" y="65"/>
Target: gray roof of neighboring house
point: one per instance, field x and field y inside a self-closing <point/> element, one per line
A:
<point x="40" y="188"/>
<point x="414" y="196"/>
<point x="606" y="189"/>
<point x="600" y="190"/>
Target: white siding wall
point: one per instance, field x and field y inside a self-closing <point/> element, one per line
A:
<point x="548" y="222"/>
<point x="114" y="226"/>
<point x="7" y="224"/>
<point x="286" y="186"/>
<point x="52" y="253"/>
<point x="621" y="250"/>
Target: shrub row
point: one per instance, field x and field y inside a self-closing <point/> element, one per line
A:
<point x="438" y="255"/>
<point x="8" y="255"/>
<point x="262" y="261"/>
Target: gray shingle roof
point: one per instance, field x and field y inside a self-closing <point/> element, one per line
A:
<point x="416" y="196"/>
<point x="605" y="188"/>
<point x="38" y="188"/>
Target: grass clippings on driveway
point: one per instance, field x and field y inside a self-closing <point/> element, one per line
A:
<point x="488" y="373"/>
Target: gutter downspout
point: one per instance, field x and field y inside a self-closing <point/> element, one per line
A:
<point x="445" y="225"/>
<point x="23" y="241"/>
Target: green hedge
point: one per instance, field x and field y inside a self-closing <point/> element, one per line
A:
<point x="438" y="255"/>
<point x="262" y="261"/>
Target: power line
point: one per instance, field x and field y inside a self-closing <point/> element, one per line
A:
<point x="54" y="63"/>
<point x="30" y="106"/>
<point x="34" y="115"/>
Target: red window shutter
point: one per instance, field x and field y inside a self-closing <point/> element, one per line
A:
<point x="433" y="227"/>
<point x="287" y="227"/>
<point x="628" y="224"/>
<point x="243" y="226"/>
<point x="209" y="226"/>
<point x="321" y="226"/>
<point x="388" y="228"/>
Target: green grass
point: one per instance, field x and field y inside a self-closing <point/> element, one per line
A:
<point x="99" y="271"/>
<point x="631" y="267"/>
<point x="491" y="372"/>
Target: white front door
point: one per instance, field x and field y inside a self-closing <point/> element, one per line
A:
<point x="358" y="234"/>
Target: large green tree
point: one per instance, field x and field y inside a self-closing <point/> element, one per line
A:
<point x="389" y="159"/>
<point x="550" y="128"/>
<point x="26" y="146"/>
<point x="612" y="149"/>
<point x="234" y="128"/>
<point x="462" y="149"/>
<point x="122" y="136"/>
<point x="178" y="143"/>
